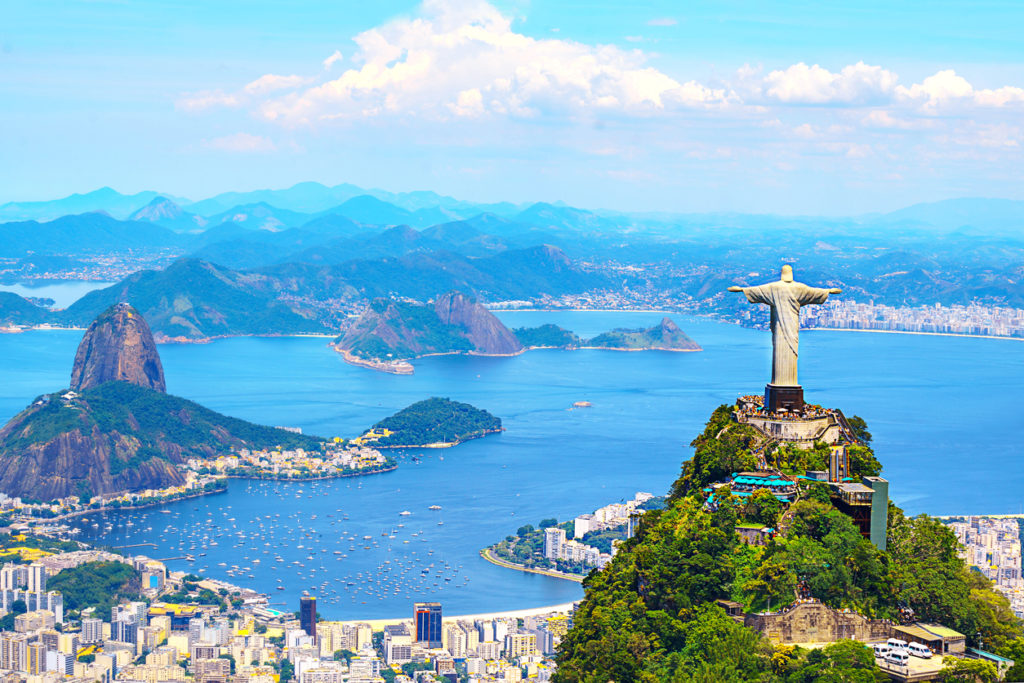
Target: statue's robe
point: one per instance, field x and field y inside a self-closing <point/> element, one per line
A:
<point x="785" y="299"/>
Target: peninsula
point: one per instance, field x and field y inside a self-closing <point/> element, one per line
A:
<point x="116" y="430"/>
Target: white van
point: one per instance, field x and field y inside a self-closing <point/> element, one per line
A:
<point x="897" y="644"/>
<point x="919" y="650"/>
<point x="898" y="657"/>
<point x="881" y="650"/>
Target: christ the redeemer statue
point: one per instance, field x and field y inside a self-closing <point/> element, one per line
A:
<point x="785" y="298"/>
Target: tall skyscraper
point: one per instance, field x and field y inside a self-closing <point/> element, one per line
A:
<point x="427" y="617"/>
<point x="307" y="615"/>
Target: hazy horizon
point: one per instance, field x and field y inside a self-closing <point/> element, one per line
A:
<point x="828" y="111"/>
<point x="186" y="202"/>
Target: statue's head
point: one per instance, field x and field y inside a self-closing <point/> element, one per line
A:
<point x="787" y="273"/>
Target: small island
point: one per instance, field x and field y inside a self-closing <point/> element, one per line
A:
<point x="432" y="423"/>
<point x="665" y="336"/>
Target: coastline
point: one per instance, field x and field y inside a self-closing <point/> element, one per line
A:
<point x="563" y="608"/>
<point x="320" y="478"/>
<point x="623" y="348"/>
<point x="200" y="494"/>
<point x="205" y="340"/>
<point x="487" y="555"/>
<point x="922" y="334"/>
<point x="398" y="367"/>
<point x="390" y="367"/>
<point x="584" y="310"/>
<point x="104" y="509"/>
<point x="446" y="444"/>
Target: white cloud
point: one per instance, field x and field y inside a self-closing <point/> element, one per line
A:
<point x="336" y="56"/>
<point x="463" y="61"/>
<point x="992" y="136"/>
<point x="855" y="84"/>
<point x="207" y="99"/>
<point x="805" y="131"/>
<point x="880" y="118"/>
<point x="425" y="66"/>
<point x="937" y="89"/>
<point x="999" y="97"/>
<point x="241" y="142"/>
<point x="469" y="103"/>
<point x="272" y="83"/>
<point x="662" y="21"/>
<point x="946" y="87"/>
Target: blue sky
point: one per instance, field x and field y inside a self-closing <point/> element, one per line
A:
<point x="799" y="108"/>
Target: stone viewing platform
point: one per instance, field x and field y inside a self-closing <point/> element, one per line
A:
<point x="804" y="429"/>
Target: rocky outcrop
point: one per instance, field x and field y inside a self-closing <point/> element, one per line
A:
<point x="398" y="330"/>
<point x="83" y="461"/>
<point x="116" y="429"/>
<point x="118" y="346"/>
<point x="485" y="332"/>
<point x="119" y="437"/>
<point x="668" y="335"/>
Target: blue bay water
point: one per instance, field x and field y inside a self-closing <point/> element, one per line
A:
<point x="943" y="411"/>
<point x="63" y="292"/>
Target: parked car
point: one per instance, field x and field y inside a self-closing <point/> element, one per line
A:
<point x="919" y="650"/>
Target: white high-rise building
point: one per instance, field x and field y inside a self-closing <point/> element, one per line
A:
<point x="456" y="641"/>
<point x="485" y="629"/>
<point x="36" y="578"/>
<point x="554" y="538"/>
<point x="583" y="524"/>
<point x="92" y="631"/>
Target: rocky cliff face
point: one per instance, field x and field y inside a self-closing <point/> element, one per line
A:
<point x="454" y="323"/>
<point x="84" y="461"/>
<point x="118" y="346"/>
<point x="485" y="332"/>
<point x="672" y="337"/>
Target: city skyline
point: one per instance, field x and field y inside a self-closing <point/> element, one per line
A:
<point x="839" y="111"/>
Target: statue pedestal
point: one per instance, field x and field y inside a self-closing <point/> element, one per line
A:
<point x="788" y="399"/>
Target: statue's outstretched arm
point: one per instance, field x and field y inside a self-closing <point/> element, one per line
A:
<point x="735" y="289"/>
<point x="835" y="290"/>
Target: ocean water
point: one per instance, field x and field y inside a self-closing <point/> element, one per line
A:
<point x="943" y="410"/>
<point x="64" y="293"/>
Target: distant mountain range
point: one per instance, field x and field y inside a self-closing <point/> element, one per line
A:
<point x="194" y="299"/>
<point x="312" y="198"/>
<point x="313" y="245"/>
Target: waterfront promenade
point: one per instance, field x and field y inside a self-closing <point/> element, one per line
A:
<point x="489" y="556"/>
<point x="564" y="608"/>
